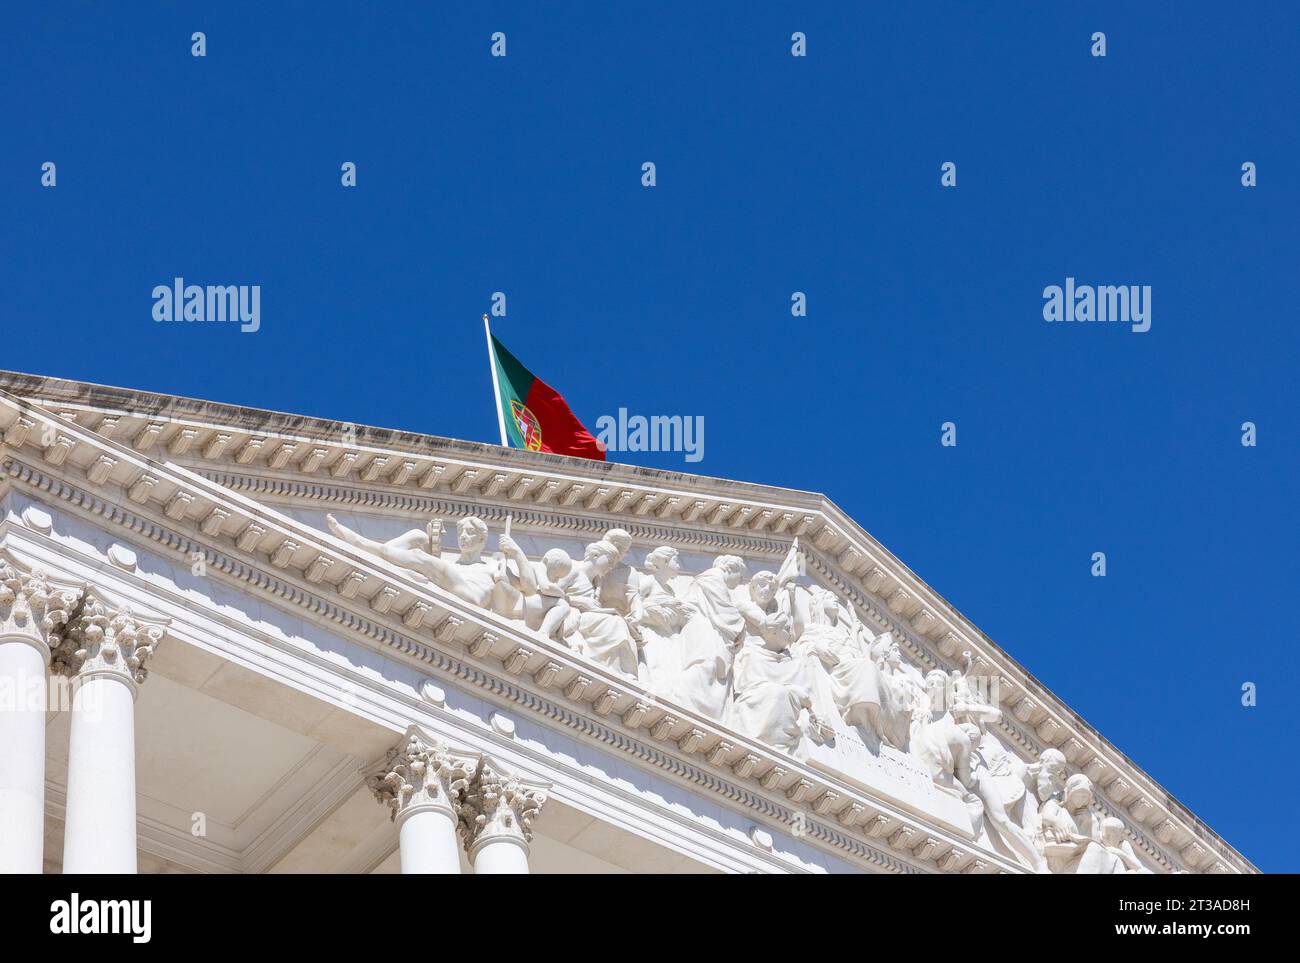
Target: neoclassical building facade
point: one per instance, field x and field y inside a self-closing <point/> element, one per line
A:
<point x="238" y="641"/>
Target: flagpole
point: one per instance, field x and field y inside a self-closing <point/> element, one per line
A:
<point x="496" y="388"/>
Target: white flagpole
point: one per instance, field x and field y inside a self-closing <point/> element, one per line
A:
<point x="496" y="388"/>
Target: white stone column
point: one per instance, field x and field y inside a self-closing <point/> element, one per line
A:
<point x="423" y="782"/>
<point x="32" y="613"/>
<point x="497" y="820"/>
<point x="105" y="653"/>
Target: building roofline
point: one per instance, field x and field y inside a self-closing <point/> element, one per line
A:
<point x="68" y="391"/>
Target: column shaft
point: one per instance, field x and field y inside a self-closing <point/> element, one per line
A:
<point x="99" y="830"/>
<point x="22" y="756"/>
<point x="428" y="843"/>
<point x="501" y="855"/>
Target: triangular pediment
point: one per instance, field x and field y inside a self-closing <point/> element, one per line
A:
<point x="255" y="488"/>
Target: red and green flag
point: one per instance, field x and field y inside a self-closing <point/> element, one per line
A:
<point x="532" y="414"/>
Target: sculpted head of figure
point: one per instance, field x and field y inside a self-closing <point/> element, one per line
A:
<point x="880" y="648"/>
<point x="557" y="564"/>
<point x="663" y="563"/>
<point x="1078" y="792"/>
<point x="1112" y="831"/>
<point x="1051" y="773"/>
<point x="732" y="569"/>
<point x="602" y="557"/>
<point x="762" y="587"/>
<point x="972" y="732"/>
<point x="825" y="607"/>
<point x="471" y="535"/>
<point x="621" y="541"/>
<point x="885" y="651"/>
<point x="936" y="689"/>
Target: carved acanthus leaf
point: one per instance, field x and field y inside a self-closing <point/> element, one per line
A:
<point x="422" y="772"/>
<point x="500" y="805"/>
<point x="33" y="607"/>
<point x="107" y="637"/>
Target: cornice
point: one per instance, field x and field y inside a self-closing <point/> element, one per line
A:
<point x="840" y="553"/>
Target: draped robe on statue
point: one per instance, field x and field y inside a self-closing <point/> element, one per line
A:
<point x="769" y="686"/>
<point x="769" y="695"/>
<point x="603" y="636"/>
<point x="1070" y="833"/>
<point x="708" y="643"/>
<point x="617" y="589"/>
<point x="660" y="617"/>
<point x="846" y="685"/>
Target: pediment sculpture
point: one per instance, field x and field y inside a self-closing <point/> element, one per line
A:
<point x="784" y="662"/>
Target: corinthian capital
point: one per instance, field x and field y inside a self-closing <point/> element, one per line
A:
<point x="105" y="638"/>
<point x="500" y="807"/>
<point x="421" y="773"/>
<point x="32" y="608"/>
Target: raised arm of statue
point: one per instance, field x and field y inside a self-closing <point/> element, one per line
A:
<point x="758" y="623"/>
<point x="396" y="551"/>
<point x="792" y="597"/>
<point x="527" y="578"/>
<point x="352" y="538"/>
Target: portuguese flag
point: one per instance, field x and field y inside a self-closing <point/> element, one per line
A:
<point x="531" y="413"/>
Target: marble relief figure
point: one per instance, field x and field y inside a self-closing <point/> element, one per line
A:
<point x="659" y="615"/>
<point x="552" y="599"/>
<point x="709" y="638"/>
<point x="905" y="689"/>
<point x="1071" y="830"/>
<point x="851" y="686"/>
<point x="787" y="664"/>
<point x="619" y="586"/>
<point x="771" y="694"/>
<point x="602" y="632"/>
<point x="978" y="777"/>
<point x="487" y="583"/>
<point x="1122" y="859"/>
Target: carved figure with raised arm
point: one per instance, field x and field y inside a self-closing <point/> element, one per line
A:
<point x="846" y="684"/>
<point x="488" y="583"/>
<point x="965" y="702"/>
<point x="975" y="774"/>
<point x="770" y="693"/>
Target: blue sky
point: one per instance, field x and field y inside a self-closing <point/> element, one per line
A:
<point x="775" y="174"/>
